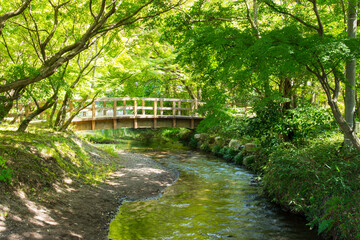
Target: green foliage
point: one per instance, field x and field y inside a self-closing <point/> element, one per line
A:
<point x="46" y="157"/>
<point x="183" y="135"/>
<point x="308" y="120"/>
<point x="146" y="136"/>
<point x="216" y="150"/>
<point x="193" y="143"/>
<point x="249" y="160"/>
<point x="319" y="180"/>
<point x="5" y="172"/>
<point x="238" y="159"/>
<point x="272" y="121"/>
<point x="110" y="150"/>
<point x="229" y="154"/>
<point x="217" y="118"/>
<point x="98" y="138"/>
<point x="205" y="147"/>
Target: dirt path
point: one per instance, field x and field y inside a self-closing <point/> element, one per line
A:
<point x="78" y="211"/>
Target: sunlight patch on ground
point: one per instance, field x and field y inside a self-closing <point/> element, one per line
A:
<point x="147" y="171"/>
<point x="68" y="180"/>
<point x="41" y="214"/>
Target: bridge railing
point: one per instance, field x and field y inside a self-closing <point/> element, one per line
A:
<point x="126" y="107"/>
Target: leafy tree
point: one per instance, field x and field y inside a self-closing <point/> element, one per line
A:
<point x="55" y="33"/>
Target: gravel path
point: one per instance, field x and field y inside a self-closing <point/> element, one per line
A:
<point x="78" y="211"/>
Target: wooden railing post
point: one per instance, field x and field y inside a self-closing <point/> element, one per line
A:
<point x="114" y="115"/>
<point x="174" y="112"/>
<point x="93" y="116"/>
<point x="104" y="105"/>
<point x="135" y="108"/>
<point x="155" y="114"/>
<point x="179" y="108"/>
<point x="114" y="109"/>
<point x="196" y="107"/>
<point x="192" y="108"/>
<point x="143" y="107"/>
<point x="124" y="107"/>
<point x="174" y="108"/>
<point x="161" y="108"/>
<point x="135" y="114"/>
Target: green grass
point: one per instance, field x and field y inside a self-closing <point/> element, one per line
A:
<point x="36" y="159"/>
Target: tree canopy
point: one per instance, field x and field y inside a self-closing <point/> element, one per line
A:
<point x="228" y="52"/>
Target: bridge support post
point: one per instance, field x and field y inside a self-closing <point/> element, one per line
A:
<point x="192" y="124"/>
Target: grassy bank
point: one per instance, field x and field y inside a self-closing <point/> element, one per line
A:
<point x="34" y="161"/>
<point x="320" y="180"/>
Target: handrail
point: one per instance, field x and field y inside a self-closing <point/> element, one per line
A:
<point x="128" y="107"/>
<point x="148" y="107"/>
<point x="124" y="107"/>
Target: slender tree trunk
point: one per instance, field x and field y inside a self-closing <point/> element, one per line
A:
<point x="51" y="117"/>
<point x="350" y="71"/>
<point x="7" y="102"/>
<point x="60" y="119"/>
<point x="25" y="123"/>
<point x="81" y="106"/>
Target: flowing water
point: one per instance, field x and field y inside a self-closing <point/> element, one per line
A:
<point x="211" y="200"/>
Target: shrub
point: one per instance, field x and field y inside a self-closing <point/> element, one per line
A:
<point x="249" y="160"/>
<point x="229" y="154"/>
<point x="320" y="181"/>
<point x="5" y="172"/>
<point x="223" y="151"/>
<point x="216" y="150"/>
<point x="238" y="159"/>
<point x="98" y="138"/>
<point x="205" y="147"/>
<point x="193" y="143"/>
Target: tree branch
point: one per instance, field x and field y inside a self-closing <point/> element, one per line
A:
<point x="273" y="6"/>
<point x="11" y="14"/>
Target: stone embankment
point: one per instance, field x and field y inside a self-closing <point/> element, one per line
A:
<point x="236" y="150"/>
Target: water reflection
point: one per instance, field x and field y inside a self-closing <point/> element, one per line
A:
<point x="211" y="200"/>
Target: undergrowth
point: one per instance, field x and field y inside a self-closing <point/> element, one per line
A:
<point x="38" y="159"/>
<point x="320" y="180"/>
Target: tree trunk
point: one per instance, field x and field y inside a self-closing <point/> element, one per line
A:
<point x="66" y="124"/>
<point x="348" y="133"/>
<point x="350" y="72"/>
<point x="51" y="117"/>
<point x="60" y="118"/>
<point x="6" y="103"/>
<point x="25" y="123"/>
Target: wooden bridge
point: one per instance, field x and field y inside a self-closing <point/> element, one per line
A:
<point x="125" y="112"/>
<point x="107" y="113"/>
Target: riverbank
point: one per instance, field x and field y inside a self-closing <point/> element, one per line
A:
<point x="57" y="186"/>
<point x="301" y="163"/>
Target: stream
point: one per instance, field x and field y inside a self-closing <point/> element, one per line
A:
<point x="211" y="199"/>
